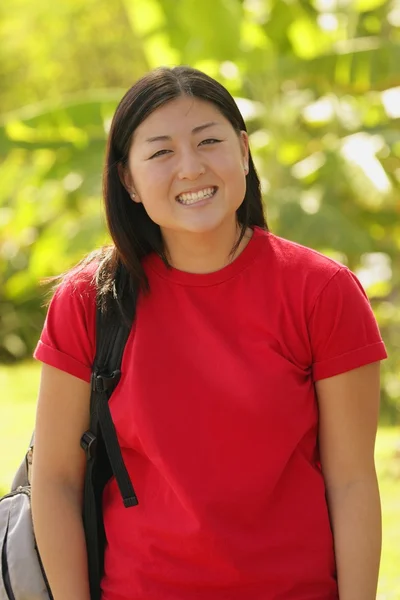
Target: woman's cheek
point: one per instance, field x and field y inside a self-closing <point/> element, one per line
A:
<point x="229" y="164"/>
<point x="151" y="179"/>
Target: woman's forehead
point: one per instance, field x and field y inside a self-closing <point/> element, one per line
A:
<point x="181" y="115"/>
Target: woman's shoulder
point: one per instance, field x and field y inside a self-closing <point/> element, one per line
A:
<point x="297" y="260"/>
<point x="300" y="274"/>
<point x="68" y="338"/>
<point x="79" y="281"/>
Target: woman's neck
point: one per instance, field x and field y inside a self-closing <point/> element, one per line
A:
<point x="204" y="252"/>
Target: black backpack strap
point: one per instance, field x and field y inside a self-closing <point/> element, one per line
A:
<point x="100" y="442"/>
<point x="112" y="333"/>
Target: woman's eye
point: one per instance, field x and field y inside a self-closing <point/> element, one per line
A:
<point x="159" y="153"/>
<point x="210" y="141"/>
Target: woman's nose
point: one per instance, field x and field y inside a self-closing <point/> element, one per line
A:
<point x="190" y="166"/>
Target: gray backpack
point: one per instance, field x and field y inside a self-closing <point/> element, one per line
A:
<point x="22" y="576"/>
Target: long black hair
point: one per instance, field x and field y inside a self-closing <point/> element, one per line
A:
<point x="133" y="233"/>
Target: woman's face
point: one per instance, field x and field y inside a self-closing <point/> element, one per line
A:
<point x="188" y="166"/>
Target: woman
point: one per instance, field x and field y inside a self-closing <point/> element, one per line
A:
<point x="248" y="402"/>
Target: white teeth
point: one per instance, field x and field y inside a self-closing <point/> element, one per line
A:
<point x="192" y="197"/>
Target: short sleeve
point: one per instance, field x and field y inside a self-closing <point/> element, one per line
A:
<point x="343" y="331"/>
<point x="67" y="341"/>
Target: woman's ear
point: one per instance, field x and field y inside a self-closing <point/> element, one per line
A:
<point x="125" y="177"/>
<point x="127" y="181"/>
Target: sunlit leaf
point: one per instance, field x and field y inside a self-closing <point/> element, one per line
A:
<point x="367" y="5"/>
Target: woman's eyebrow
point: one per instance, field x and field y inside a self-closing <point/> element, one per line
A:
<point x="205" y="126"/>
<point x="168" y="138"/>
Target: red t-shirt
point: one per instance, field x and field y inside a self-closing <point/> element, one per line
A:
<point x="217" y="420"/>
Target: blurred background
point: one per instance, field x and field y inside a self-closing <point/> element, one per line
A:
<point x="318" y="83"/>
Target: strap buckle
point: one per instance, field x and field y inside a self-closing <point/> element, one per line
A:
<point x="101" y="382"/>
<point x="89" y="444"/>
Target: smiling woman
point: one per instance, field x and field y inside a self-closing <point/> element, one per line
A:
<point x="191" y="180"/>
<point x="186" y="135"/>
<point x="247" y="405"/>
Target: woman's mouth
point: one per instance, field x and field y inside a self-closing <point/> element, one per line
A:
<point x="189" y="198"/>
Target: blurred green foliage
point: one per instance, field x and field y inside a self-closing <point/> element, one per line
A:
<point x="317" y="82"/>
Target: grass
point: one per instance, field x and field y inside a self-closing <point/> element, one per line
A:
<point x="388" y="466"/>
<point x="19" y="385"/>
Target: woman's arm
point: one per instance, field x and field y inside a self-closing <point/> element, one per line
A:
<point x="349" y="408"/>
<point x="57" y="482"/>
